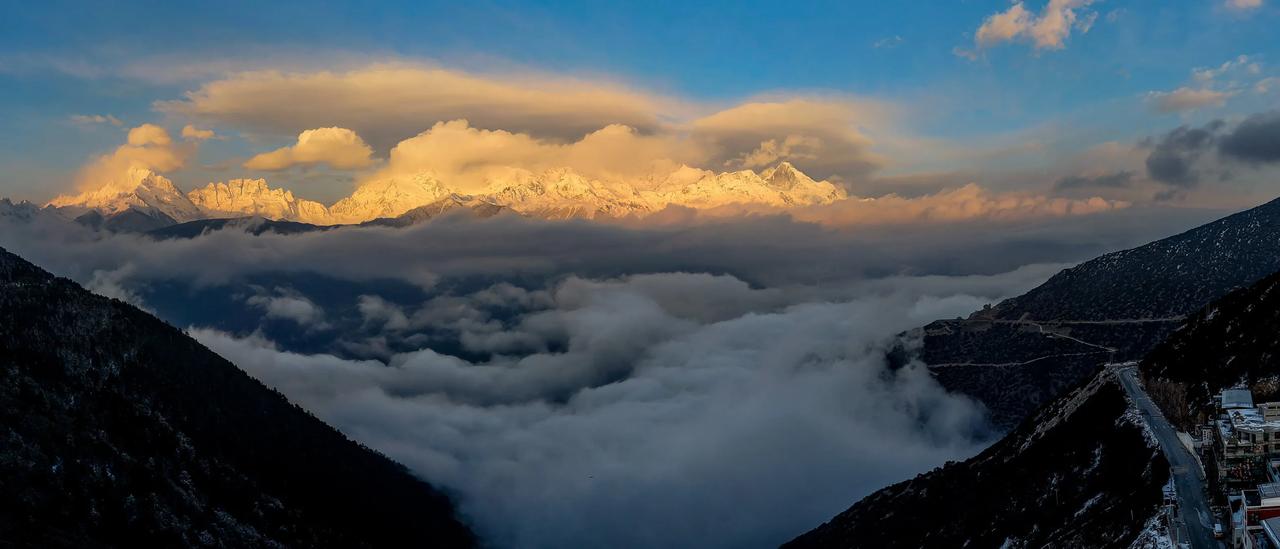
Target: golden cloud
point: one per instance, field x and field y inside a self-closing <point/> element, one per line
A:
<point x="1049" y="30"/>
<point x="467" y="157"/>
<point x="339" y="148"/>
<point x="386" y="103"/>
<point x="390" y="103"/>
<point x="820" y="136"/>
<point x="969" y="202"/>
<point x="196" y="134"/>
<point x="148" y="146"/>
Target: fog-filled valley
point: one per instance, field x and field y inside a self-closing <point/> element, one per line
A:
<point x="566" y="379"/>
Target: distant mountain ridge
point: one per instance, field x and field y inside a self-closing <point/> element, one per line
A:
<point x="121" y="431"/>
<point x="1024" y="351"/>
<point x="557" y="193"/>
<point x="1167" y="278"/>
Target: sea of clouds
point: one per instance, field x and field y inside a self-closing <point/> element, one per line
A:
<point x="576" y="384"/>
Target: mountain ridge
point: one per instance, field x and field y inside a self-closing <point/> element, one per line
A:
<point x="1230" y="341"/>
<point x="555" y="193"/>
<point x="120" y="430"/>
<point x="1025" y="350"/>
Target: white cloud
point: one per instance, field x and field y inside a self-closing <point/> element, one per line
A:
<point x="1187" y="99"/>
<point x="113" y="283"/>
<point x="1212" y="86"/>
<point x="1266" y="85"/>
<point x="1242" y="64"/>
<point x="1048" y="30"/>
<point x="338" y="148"/>
<point x="288" y="304"/>
<point x="888" y="42"/>
<point x="691" y="401"/>
<point x="381" y="313"/>
<point x="88" y="119"/>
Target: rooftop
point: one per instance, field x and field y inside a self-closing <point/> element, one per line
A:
<point x="1272" y="528"/>
<point x="1251" y="419"/>
<point x="1236" y="398"/>
<point x="1271" y="490"/>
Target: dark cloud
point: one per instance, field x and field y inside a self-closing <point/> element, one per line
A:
<point x="1118" y="180"/>
<point x="1255" y="140"/>
<point x="1178" y="158"/>
<point x="1174" y="155"/>
<point x="762" y="250"/>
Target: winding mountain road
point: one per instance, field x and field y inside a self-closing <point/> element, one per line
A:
<point x="1193" y="502"/>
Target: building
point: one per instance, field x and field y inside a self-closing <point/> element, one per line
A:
<point x="1247" y="437"/>
<point x="1240" y="538"/>
<point x="1270" y="534"/>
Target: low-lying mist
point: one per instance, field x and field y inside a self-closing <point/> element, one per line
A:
<point x="659" y="410"/>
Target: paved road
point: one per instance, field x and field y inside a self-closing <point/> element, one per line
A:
<point x="1192" y="501"/>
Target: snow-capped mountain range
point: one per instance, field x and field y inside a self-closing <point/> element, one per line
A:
<point x="138" y="189"/>
<point x="558" y="193"/>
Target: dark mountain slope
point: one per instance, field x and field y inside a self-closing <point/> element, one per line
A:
<point x="258" y="225"/>
<point x="129" y="221"/>
<point x="1166" y="278"/>
<point x="1234" y="340"/>
<point x="252" y="225"/>
<point x="1079" y="473"/>
<point x="454" y="204"/>
<point x="118" y="430"/>
<point x="1026" y="350"/>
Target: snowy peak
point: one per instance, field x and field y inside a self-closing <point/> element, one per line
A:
<point x="389" y="197"/>
<point x="253" y="197"/>
<point x="785" y="177"/>
<point x="20" y="210"/>
<point x="556" y="193"/>
<point x="470" y="205"/>
<point x="138" y="189"/>
<point x="562" y="193"/>
<point x="781" y="186"/>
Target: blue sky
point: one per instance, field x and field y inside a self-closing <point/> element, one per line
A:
<point x="61" y="59"/>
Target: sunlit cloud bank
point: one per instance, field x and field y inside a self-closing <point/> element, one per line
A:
<point x="969" y="202"/>
<point x="765" y="249"/>
<point x="147" y="146"/>
<point x="389" y="102"/>
<point x="827" y="136"/>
